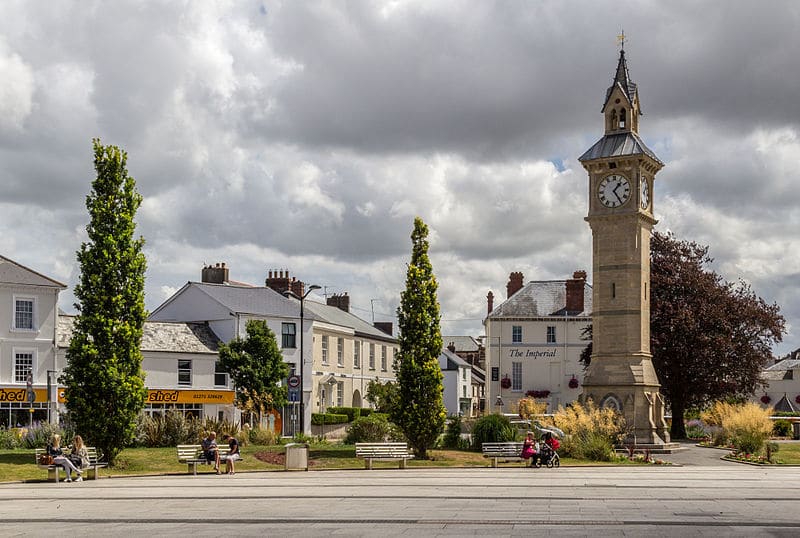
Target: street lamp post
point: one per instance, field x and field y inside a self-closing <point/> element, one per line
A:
<point x="290" y="293"/>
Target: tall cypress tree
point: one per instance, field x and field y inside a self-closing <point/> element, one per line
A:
<point x="104" y="380"/>
<point x="420" y="412"/>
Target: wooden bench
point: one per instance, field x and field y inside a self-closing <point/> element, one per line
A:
<point x="383" y="452"/>
<point x="90" y="472"/>
<point x="508" y="451"/>
<point x="191" y="455"/>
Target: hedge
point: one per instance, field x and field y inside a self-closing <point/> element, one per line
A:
<point x="351" y="412"/>
<point x="318" y="419"/>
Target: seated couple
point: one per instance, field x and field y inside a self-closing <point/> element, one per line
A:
<point x="211" y="451"/>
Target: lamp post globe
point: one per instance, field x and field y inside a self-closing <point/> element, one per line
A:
<point x="290" y="293"/>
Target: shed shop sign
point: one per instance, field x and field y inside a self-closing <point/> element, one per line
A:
<point x="190" y="396"/>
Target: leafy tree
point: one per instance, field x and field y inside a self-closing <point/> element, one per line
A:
<point x="104" y="380"/>
<point x="420" y="412"/>
<point x="256" y="367"/>
<point x="710" y="339"/>
<point x="384" y="396"/>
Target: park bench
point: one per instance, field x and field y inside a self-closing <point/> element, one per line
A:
<point x="89" y="473"/>
<point x="191" y="455"/>
<point x="383" y="452"/>
<point x="508" y="451"/>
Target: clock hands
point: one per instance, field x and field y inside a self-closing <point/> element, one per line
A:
<point x="614" y="190"/>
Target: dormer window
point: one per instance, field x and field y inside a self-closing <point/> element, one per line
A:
<point x="622" y="118"/>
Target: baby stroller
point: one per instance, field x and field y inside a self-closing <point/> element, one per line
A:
<point x="547" y="451"/>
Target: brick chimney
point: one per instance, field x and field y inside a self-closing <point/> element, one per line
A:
<point x="514" y="283"/>
<point x="451" y="347"/>
<point x="214" y="274"/>
<point x="298" y="287"/>
<point x="575" y="289"/>
<point x="279" y="281"/>
<point x="385" y="326"/>
<point x="489" y="302"/>
<point x="342" y="302"/>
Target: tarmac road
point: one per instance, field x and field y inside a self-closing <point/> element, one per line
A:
<point x="713" y="500"/>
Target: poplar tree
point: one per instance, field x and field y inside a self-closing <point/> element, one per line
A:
<point x="420" y="412"/>
<point x="103" y="378"/>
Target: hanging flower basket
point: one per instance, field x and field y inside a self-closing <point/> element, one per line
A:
<point x="505" y="382"/>
<point x="573" y="383"/>
<point x="766" y="399"/>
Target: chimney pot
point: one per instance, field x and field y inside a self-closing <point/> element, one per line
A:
<point x="489" y="302"/>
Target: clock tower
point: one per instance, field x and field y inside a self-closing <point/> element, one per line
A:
<point x="621" y="173"/>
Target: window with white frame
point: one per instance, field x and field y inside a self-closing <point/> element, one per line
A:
<point x="372" y="356"/>
<point x="288" y="335"/>
<point x="184" y="372"/>
<point x="23" y="365"/>
<point x="23" y="313"/>
<point x="340" y="351"/>
<point x="463" y="374"/>
<point x="324" y="350"/>
<point x="464" y="391"/>
<point x="551" y="334"/>
<point x="383" y="358"/>
<point x="516" y="334"/>
<point x="357" y="354"/>
<point x="516" y="376"/>
<point x="340" y="393"/>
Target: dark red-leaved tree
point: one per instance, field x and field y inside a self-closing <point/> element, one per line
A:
<point x="710" y="339"/>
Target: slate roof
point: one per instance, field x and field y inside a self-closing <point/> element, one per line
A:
<point x="786" y="364"/>
<point x="784" y="405"/>
<point x="164" y="336"/>
<point x="541" y="299"/>
<point x="452" y="361"/>
<point x="462" y="343"/>
<point x="618" y="145"/>
<point x="12" y="272"/>
<point x="259" y="301"/>
<point x="337" y="316"/>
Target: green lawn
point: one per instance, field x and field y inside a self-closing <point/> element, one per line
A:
<point x="19" y="464"/>
<point x="788" y="453"/>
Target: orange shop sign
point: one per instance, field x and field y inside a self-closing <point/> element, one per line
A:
<point x="20" y="395"/>
<point x="190" y="396"/>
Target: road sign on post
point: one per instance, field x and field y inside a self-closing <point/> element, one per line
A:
<point x="294" y="395"/>
<point x="293" y="381"/>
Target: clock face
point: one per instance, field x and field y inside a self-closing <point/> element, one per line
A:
<point x="645" y="194"/>
<point x="614" y="190"/>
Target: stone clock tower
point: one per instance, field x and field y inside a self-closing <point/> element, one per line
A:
<point x="621" y="173"/>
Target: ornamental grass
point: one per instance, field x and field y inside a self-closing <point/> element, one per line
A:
<point x="590" y="432"/>
<point x="746" y="427"/>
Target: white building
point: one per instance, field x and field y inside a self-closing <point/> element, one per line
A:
<point x="457" y="383"/>
<point x="534" y="340"/>
<point x="342" y="353"/>
<point x="180" y="365"/>
<point x="782" y="391"/>
<point x="28" y="319"/>
<point x="348" y="354"/>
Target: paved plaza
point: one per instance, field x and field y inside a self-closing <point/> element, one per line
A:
<point x="701" y="497"/>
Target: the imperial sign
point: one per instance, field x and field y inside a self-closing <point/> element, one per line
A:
<point x="527" y="353"/>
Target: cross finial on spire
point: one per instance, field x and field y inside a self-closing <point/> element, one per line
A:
<point x="621" y="40"/>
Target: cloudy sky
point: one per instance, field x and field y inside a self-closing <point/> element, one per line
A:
<point x="307" y="135"/>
